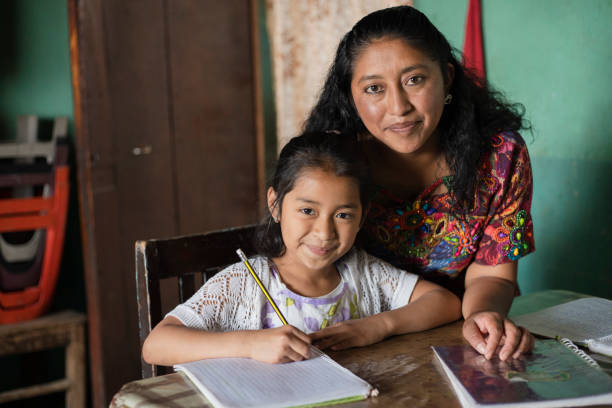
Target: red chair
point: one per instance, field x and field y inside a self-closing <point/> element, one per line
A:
<point x="47" y="213"/>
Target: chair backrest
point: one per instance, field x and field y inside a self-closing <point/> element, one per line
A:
<point x="182" y="258"/>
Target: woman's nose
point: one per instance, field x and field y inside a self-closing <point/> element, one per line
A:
<point x="399" y="101"/>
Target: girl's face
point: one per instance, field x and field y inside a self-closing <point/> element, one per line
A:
<point x="319" y="219"/>
<point x="399" y="94"/>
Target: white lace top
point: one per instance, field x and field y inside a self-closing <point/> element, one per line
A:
<point x="231" y="300"/>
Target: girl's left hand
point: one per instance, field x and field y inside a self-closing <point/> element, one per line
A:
<point x="349" y="333"/>
<point x="485" y="331"/>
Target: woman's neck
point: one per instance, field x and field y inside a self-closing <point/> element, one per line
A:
<point x="407" y="174"/>
<point x="306" y="282"/>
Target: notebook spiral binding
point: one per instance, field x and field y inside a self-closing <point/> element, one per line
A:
<point x="580" y="353"/>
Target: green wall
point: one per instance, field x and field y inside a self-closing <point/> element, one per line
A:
<point x="554" y="56"/>
<point x="34" y="61"/>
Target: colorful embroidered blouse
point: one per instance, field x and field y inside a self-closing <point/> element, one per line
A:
<point x="426" y="237"/>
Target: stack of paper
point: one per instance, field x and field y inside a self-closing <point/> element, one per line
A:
<point x="587" y="322"/>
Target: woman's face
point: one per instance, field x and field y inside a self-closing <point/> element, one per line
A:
<point x="399" y="94"/>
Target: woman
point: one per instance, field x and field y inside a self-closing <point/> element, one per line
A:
<point x="453" y="175"/>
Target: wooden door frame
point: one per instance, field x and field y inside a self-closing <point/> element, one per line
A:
<point x="86" y="42"/>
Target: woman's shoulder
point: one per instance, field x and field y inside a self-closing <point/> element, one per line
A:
<point x="508" y="154"/>
<point x="507" y="140"/>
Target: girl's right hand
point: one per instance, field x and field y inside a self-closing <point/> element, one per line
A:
<point x="280" y="345"/>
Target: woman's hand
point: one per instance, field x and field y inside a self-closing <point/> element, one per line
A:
<point x="350" y="333"/>
<point x="485" y="331"/>
<point x="489" y="291"/>
<point x="279" y="345"/>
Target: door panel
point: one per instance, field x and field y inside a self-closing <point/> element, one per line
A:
<point x="166" y="145"/>
<point x="213" y="103"/>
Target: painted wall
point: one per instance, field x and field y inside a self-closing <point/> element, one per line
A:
<point x="34" y="61"/>
<point x="554" y="56"/>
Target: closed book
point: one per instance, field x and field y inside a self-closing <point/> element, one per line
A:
<point x="551" y="375"/>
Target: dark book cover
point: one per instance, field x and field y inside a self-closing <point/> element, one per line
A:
<point x="552" y="372"/>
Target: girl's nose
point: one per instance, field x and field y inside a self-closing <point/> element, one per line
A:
<point x="398" y="101"/>
<point x="325" y="228"/>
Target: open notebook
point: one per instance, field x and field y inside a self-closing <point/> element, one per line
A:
<point x="242" y="382"/>
<point x="551" y="376"/>
<point x="586" y="321"/>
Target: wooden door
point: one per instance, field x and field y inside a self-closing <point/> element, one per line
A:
<point x="165" y="120"/>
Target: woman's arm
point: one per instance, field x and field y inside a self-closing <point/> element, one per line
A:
<point x="489" y="291"/>
<point x="430" y="305"/>
<point x="171" y="342"/>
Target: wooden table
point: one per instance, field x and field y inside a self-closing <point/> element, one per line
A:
<point x="403" y="368"/>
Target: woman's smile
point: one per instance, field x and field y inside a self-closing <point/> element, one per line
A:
<point x="405" y="127"/>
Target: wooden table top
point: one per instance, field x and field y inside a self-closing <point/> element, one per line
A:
<point x="403" y="368"/>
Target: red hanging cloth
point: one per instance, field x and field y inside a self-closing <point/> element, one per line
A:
<point x="473" y="51"/>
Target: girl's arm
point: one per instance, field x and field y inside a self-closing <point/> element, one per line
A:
<point x="430" y="305"/>
<point x="489" y="291"/>
<point x="171" y="342"/>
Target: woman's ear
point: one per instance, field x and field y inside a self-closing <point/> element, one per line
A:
<point x="450" y="77"/>
<point x="272" y="204"/>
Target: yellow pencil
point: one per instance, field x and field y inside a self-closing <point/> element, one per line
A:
<point x="261" y="286"/>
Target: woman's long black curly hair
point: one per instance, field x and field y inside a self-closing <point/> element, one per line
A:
<point x="476" y="112"/>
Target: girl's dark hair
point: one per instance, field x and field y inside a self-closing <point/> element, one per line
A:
<point x="333" y="152"/>
<point x="476" y="112"/>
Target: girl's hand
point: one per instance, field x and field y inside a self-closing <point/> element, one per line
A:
<point x="485" y="331"/>
<point x="350" y="333"/>
<point x="279" y="345"/>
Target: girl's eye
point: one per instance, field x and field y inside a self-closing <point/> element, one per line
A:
<point x="345" y="216"/>
<point x="307" y="211"/>
<point x="373" y="89"/>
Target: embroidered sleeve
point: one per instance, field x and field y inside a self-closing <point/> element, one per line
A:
<point x="221" y="304"/>
<point x="507" y="183"/>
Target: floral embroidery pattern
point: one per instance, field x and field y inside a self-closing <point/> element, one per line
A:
<point x="427" y="237"/>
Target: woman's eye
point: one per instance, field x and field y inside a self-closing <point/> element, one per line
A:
<point x="345" y="216"/>
<point x="307" y="211"/>
<point x="373" y="89"/>
<point x="413" y="80"/>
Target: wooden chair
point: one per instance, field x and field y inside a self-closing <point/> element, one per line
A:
<point x="183" y="258"/>
<point x="62" y="329"/>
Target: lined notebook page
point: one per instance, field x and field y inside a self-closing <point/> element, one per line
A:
<point x="578" y="320"/>
<point x="240" y="382"/>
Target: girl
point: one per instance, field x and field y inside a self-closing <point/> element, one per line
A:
<point x="333" y="295"/>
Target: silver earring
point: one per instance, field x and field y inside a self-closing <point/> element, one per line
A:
<point x="448" y="99"/>
<point x="275" y="220"/>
